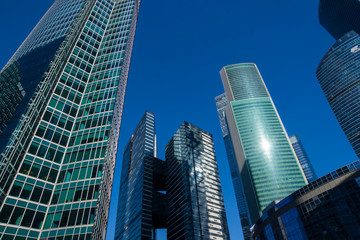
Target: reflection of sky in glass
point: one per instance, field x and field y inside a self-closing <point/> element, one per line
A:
<point x="274" y="170"/>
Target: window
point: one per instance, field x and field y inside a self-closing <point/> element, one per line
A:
<point x="16" y="189"/>
<point x="28" y="217"/>
<point x="17" y="216"/>
<point x="5" y="213"/>
<point x="25" y="194"/>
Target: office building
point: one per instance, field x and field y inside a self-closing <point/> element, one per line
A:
<point x="61" y="101"/>
<point x="338" y="75"/>
<point x="303" y="158"/>
<point x="221" y="103"/>
<point x="135" y="206"/>
<point x="328" y="208"/>
<point x="182" y="194"/>
<point x="195" y="201"/>
<point x="265" y="160"/>
<point x="339" y="16"/>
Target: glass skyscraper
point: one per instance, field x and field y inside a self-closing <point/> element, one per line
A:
<point x="303" y="158"/>
<point x="221" y="103"/>
<point x="134" y="216"/>
<point x="265" y="160"/>
<point x="195" y="201"/>
<point x="338" y="74"/>
<point x="61" y="101"/>
<point x="182" y="194"/>
<point x="339" y="16"/>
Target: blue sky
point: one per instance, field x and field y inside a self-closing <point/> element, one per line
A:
<point x="180" y="47"/>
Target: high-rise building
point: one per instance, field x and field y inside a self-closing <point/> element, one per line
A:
<point x="221" y="103"/>
<point x="195" y="201"/>
<point x="61" y="101"/>
<point x="137" y="194"/>
<point x="265" y="160"/>
<point x="339" y="16"/>
<point x="303" y="158"/>
<point x="182" y="194"/>
<point x="338" y="74"/>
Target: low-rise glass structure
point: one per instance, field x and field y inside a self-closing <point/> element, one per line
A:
<point x="328" y="208"/>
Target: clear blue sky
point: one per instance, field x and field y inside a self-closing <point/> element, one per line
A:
<point x="180" y="47"/>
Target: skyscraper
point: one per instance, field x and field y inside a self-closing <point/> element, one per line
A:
<point x="195" y="201"/>
<point x="61" y="100"/>
<point x="221" y="104"/>
<point x="338" y="75"/>
<point x="339" y="69"/>
<point x="265" y="160"/>
<point x="303" y="158"/>
<point x="182" y="194"/>
<point x="339" y="16"/>
<point x="134" y="216"/>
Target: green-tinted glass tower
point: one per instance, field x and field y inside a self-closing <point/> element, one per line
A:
<point x="265" y="160"/>
<point x="61" y="101"/>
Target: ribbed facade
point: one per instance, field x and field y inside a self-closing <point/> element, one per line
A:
<point x="303" y="158"/>
<point x="182" y="194"/>
<point x="339" y="16"/>
<point x="195" y="201"/>
<point x="265" y="159"/>
<point x="338" y="74"/>
<point x="134" y="216"/>
<point x="62" y="96"/>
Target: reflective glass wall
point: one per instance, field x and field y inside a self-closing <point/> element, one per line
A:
<point x="267" y="164"/>
<point x="338" y="74"/>
<point x="59" y="144"/>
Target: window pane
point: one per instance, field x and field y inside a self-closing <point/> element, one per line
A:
<point x="5" y="213"/>
<point x="36" y="194"/>
<point x="16" y="189"/>
<point x="28" y="217"/>
<point x="16" y="216"/>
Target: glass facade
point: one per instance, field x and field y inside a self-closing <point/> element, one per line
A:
<point x="327" y="208"/>
<point x="195" y="201"/>
<point x="221" y="103"/>
<point x="338" y="74"/>
<point x="267" y="164"/>
<point x="303" y="158"/>
<point x="182" y="194"/>
<point x="134" y="216"/>
<point x="61" y="101"/>
<point x="339" y="17"/>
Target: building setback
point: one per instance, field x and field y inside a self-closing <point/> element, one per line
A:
<point x="182" y="194"/>
<point x="265" y="160"/>
<point x="303" y="158"/>
<point x="61" y="101"/>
